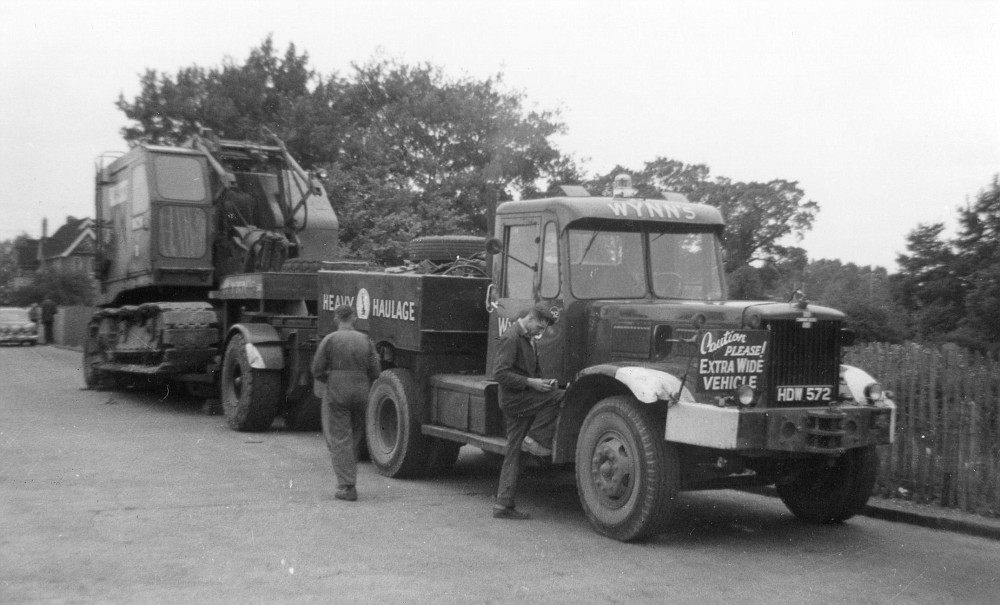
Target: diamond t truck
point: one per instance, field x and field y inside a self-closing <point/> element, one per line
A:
<point x="668" y="385"/>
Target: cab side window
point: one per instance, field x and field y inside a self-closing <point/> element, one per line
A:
<point x="521" y="243"/>
<point x="549" y="278"/>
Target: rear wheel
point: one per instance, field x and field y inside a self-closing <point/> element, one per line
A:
<point x="832" y="491"/>
<point x="392" y="425"/>
<point x="627" y="476"/>
<point x="249" y="395"/>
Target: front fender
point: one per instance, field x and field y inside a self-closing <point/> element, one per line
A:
<point x="648" y="385"/>
<point x="264" y="347"/>
<point x="853" y="382"/>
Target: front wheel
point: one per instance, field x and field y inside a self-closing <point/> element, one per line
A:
<point x="825" y="491"/>
<point x="249" y="395"/>
<point x="627" y="476"/>
<point x="392" y="425"/>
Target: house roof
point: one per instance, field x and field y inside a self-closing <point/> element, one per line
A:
<point x="68" y="238"/>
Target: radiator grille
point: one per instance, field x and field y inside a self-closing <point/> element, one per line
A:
<point x="803" y="356"/>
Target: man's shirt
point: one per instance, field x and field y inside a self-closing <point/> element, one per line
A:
<point x="345" y="350"/>
<point x="516" y="361"/>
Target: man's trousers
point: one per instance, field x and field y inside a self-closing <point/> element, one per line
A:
<point x="343" y="417"/>
<point x="535" y="415"/>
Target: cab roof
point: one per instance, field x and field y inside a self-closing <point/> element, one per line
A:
<point x="676" y="209"/>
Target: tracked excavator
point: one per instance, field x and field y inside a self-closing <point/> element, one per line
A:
<point x="206" y="258"/>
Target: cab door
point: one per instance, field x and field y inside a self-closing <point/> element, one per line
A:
<point x="516" y="276"/>
<point x="527" y="273"/>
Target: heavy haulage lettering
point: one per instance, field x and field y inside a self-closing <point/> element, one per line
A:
<point x="394" y="309"/>
<point x="332" y="301"/>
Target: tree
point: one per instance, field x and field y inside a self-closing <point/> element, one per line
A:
<point x="65" y="287"/>
<point x="928" y="285"/>
<point x="978" y="246"/>
<point x="409" y="151"/>
<point x="759" y="216"/>
<point x="8" y="266"/>
<point x="863" y="293"/>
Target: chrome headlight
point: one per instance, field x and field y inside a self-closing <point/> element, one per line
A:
<point x="873" y="393"/>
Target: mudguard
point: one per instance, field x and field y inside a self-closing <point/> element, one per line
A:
<point x="648" y="385"/>
<point x="854" y="380"/>
<point x="264" y="346"/>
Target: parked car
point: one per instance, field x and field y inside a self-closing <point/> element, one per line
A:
<point x="16" y="326"/>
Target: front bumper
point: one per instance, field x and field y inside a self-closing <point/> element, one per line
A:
<point x="826" y="430"/>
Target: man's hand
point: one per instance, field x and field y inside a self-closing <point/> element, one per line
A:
<point x="541" y="385"/>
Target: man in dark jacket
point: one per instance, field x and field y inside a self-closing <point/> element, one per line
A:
<point x="49" y="310"/>
<point x="347" y="362"/>
<point x="529" y="403"/>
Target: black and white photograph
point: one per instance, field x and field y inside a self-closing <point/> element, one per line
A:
<point x="551" y="301"/>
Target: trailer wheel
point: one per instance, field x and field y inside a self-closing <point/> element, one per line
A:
<point x="392" y="425"/>
<point x="249" y="396"/>
<point x="831" y="493"/>
<point x="627" y="476"/>
<point x="445" y="248"/>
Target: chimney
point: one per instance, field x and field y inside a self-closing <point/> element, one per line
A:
<point x="41" y="243"/>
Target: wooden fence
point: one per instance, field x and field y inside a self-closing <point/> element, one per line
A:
<point x="947" y="447"/>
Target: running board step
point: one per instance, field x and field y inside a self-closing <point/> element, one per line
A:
<point x="497" y="445"/>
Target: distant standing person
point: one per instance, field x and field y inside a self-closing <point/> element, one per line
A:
<point x="35" y="315"/>
<point x="49" y="310"/>
<point x="529" y="403"/>
<point x="347" y="362"/>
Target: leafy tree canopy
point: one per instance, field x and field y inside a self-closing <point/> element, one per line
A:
<point x="409" y="151"/>
<point x="65" y="287"/>
<point x="951" y="285"/>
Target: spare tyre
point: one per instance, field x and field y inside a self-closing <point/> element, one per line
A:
<point x="445" y="248"/>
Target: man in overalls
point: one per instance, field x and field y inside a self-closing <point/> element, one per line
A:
<point x="347" y="362"/>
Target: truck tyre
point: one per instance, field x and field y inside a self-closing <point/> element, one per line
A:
<point x="392" y="425"/>
<point x="627" y="476"/>
<point x="303" y="414"/>
<point x="249" y="396"/>
<point x="831" y="494"/>
<point x="445" y="248"/>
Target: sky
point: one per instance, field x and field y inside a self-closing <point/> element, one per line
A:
<point x="886" y="113"/>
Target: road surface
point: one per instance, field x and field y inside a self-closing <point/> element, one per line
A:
<point x="138" y="497"/>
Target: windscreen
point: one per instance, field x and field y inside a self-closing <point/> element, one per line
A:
<point x="635" y="264"/>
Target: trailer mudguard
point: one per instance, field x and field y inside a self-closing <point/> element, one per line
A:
<point x="264" y="346"/>
<point x="648" y="385"/>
